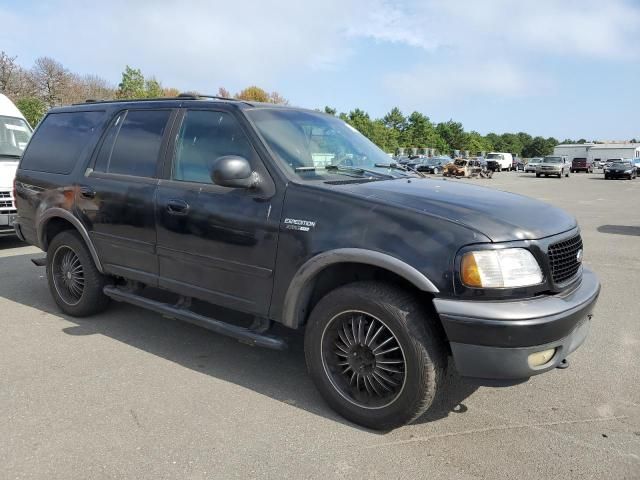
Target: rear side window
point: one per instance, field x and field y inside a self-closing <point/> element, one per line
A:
<point x="132" y="145"/>
<point x="59" y="141"/>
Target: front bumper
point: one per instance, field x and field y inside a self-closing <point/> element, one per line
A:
<point x="493" y="340"/>
<point x="618" y="174"/>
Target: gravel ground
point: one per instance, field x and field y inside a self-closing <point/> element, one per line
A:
<point x="130" y="394"/>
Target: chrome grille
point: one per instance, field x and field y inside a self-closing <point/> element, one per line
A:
<point x="563" y="259"/>
<point x="6" y="203"/>
<point x="5" y="194"/>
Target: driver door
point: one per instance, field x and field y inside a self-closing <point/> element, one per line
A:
<point x="216" y="243"/>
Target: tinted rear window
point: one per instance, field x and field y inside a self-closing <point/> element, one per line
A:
<point x="138" y="138"/>
<point x="59" y="141"/>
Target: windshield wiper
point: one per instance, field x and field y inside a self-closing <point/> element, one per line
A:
<point x="399" y="166"/>
<point x="358" y="170"/>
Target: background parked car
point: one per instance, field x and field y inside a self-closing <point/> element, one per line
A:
<point x="433" y="165"/>
<point x="581" y="165"/>
<point x="621" y="169"/>
<point x="518" y="164"/>
<point x="554" y="165"/>
<point x="463" y="168"/>
<point x="504" y="159"/>
<point x="531" y="165"/>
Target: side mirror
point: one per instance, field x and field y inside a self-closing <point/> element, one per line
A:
<point x="233" y="171"/>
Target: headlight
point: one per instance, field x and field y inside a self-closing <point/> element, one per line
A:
<point x="628" y="171"/>
<point x="510" y="267"/>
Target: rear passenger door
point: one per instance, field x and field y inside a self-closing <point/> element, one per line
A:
<point x="115" y="199"/>
<point x="216" y="243"/>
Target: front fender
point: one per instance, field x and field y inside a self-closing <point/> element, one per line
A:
<point x="301" y="286"/>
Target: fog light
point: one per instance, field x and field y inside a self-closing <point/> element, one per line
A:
<point x="540" y="358"/>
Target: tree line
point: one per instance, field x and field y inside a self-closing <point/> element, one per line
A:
<point x="48" y="83"/>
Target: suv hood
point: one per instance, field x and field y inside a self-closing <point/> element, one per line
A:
<point x="7" y="173"/>
<point x="500" y="216"/>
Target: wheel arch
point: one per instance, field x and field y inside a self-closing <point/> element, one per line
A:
<point x="343" y="262"/>
<point x="56" y="220"/>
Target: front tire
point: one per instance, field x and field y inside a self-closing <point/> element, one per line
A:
<point x="74" y="281"/>
<point x="374" y="354"/>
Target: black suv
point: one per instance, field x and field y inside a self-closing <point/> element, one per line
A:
<point x="291" y="216"/>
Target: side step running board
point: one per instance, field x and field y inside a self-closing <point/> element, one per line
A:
<point x="242" y="334"/>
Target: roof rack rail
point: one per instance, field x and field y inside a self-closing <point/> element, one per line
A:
<point x="181" y="96"/>
<point x="196" y="96"/>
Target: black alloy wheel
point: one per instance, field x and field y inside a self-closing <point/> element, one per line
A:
<point x="363" y="359"/>
<point x="68" y="275"/>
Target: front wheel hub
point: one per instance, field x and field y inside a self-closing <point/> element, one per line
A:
<point x="363" y="359"/>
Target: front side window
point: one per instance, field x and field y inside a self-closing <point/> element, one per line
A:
<point x="204" y="137"/>
<point x="14" y="136"/>
<point x="132" y="145"/>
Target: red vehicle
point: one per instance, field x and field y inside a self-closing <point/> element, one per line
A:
<point x="581" y="165"/>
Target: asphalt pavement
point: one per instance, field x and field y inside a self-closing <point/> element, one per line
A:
<point x="130" y="394"/>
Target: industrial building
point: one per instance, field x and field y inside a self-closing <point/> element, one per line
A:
<point x="598" y="152"/>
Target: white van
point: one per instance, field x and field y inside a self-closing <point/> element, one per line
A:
<point x="15" y="133"/>
<point x="504" y="159"/>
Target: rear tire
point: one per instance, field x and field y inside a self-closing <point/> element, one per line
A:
<point x="537" y="175"/>
<point x="74" y="281"/>
<point x="382" y="390"/>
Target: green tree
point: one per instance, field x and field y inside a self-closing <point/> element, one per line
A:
<point x="32" y="108"/>
<point x="452" y="133"/>
<point x="537" y="147"/>
<point x="360" y="120"/>
<point x="419" y="131"/>
<point x="475" y="143"/>
<point x="396" y="124"/>
<point x="132" y="84"/>
<point x="329" y="110"/>
<point x="153" y="89"/>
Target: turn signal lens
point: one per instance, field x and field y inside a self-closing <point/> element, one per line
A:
<point x="506" y="268"/>
<point x="470" y="273"/>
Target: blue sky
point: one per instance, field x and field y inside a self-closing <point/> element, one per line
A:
<point x="563" y="68"/>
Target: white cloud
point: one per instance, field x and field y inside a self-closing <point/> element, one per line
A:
<point x="199" y="44"/>
<point x="428" y="83"/>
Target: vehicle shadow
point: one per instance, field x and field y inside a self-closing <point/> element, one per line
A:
<point x="280" y="375"/>
<point x="620" y="230"/>
<point x="11" y="242"/>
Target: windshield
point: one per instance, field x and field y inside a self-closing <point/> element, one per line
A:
<point x="494" y="156"/>
<point x="552" y="160"/>
<point x="621" y="163"/>
<point x="316" y="146"/>
<point x="14" y="136"/>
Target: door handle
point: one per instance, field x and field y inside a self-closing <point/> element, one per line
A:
<point x="177" y="207"/>
<point x="87" y="192"/>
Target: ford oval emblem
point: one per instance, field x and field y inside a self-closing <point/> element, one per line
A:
<point x="579" y="256"/>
